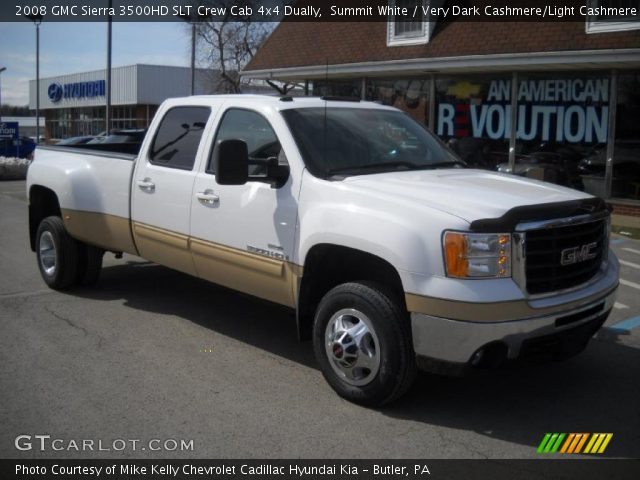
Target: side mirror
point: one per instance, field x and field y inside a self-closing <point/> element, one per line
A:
<point x="231" y="163"/>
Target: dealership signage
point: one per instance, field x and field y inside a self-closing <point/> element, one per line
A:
<point x="561" y="110"/>
<point x="58" y="92"/>
<point x="9" y="130"/>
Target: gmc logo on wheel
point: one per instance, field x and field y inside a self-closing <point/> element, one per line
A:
<point x="572" y="255"/>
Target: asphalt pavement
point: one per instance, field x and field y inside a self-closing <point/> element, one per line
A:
<point x="152" y="354"/>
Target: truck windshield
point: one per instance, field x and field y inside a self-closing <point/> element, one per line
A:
<point x="357" y="141"/>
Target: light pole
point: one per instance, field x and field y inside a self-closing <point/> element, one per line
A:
<point x="2" y="69"/>
<point x="37" y="20"/>
<point x="108" y="92"/>
<point x="191" y="20"/>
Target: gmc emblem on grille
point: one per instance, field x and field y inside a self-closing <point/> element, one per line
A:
<point x="572" y="255"/>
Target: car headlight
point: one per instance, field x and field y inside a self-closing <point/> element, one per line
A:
<point x="477" y="255"/>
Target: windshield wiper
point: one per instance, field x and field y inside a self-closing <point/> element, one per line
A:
<point x="445" y="164"/>
<point x="373" y="166"/>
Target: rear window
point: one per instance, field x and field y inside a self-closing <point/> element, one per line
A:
<point x="178" y="137"/>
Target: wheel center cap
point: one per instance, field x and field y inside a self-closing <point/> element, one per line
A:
<point x="338" y="351"/>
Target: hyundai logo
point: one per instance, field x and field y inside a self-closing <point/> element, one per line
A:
<point x="55" y="92"/>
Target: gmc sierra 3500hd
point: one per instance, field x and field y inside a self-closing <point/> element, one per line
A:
<point x="393" y="254"/>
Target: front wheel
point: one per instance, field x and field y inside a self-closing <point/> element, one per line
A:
<point x="362" y="342"/>
<point x="57" y="254"/>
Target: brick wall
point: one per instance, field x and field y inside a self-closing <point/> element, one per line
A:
<point x="302" y="44"/>
<point x="629" y="210"/>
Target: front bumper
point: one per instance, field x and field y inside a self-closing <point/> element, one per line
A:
<point x="459" y="343"/>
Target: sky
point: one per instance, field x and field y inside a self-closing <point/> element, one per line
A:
<point x="78" y="47"/>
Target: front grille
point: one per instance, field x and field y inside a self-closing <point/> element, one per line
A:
<point x="544" y="248"/>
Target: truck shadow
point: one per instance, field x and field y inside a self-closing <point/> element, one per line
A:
<point x="595" y="392"/>
<point x="152" y="288"/>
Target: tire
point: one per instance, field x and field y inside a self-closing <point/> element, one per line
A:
<point x="89" y="264"/>
<point x="57" y="254"/>
<point x="362" y="341"/>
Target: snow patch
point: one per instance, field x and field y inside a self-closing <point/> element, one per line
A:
<point x="13" y="168"/>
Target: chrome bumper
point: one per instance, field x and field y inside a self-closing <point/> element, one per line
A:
<point x="458" y="341"/>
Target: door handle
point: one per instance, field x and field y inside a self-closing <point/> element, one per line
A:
<point x="146" y="185"/>
<point x="208" y="197"/>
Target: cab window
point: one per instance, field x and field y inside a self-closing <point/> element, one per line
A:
<point x="178" y="136"/>
<point x="252" y="128"/>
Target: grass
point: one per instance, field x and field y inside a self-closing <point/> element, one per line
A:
<point x="626" y="232"/>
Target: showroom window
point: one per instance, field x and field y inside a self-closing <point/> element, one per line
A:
<point x="563" y="128"/>
<point x="408" y="94"/>
<point x="626" y="148"/>
<point x="607" y="20"/>
<point x="472" y="115"/>
<point x="349" y="87"/>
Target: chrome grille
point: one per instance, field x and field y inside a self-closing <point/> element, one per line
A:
<point x="542" y="254"/>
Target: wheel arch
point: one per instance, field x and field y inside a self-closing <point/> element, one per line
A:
<point x="43" y="202"/>
<point x="328" y="265"/>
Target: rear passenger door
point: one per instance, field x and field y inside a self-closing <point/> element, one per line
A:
<point x="163" y="185"/>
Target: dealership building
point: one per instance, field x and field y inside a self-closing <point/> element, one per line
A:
<point x="75" y="104"/>
<point x="572" y="90"/>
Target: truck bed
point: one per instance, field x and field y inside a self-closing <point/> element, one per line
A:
<point x="95" y="186"/>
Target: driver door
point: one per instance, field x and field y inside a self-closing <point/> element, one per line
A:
<point x="242" y="236"/>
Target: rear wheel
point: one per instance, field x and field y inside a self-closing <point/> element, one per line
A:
<point x="90" y="264"/>
<point x="362" y="342"/>
<point x="57" y="254"/>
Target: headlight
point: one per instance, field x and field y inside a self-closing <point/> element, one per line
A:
<point x="477" y="255"/>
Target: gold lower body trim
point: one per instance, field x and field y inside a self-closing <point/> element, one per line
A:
<point x="102" y="230"/>
<point x="487" y="312"/>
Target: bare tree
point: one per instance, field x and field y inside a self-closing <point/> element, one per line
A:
<point x="283" y="88"/>
<point x="227" y="43"/>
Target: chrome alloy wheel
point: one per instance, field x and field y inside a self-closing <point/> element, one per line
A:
<point x="47" y="250"/>
<point x="352" y="347"/>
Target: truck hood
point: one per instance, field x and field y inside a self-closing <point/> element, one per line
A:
<point x="467" y="194"/>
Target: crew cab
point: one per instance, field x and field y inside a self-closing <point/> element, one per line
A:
<point x="392" y="253"/>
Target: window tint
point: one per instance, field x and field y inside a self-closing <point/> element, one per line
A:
<point x="252" y="128"/>
<point x="178" y="137"/>
<point x="363" y="140"/>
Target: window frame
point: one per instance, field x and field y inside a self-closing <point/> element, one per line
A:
<point x="214" y="142"/>
<point x="593" y="25"/>
<point x="157" y="131"/>
<point x="394" y="40"/>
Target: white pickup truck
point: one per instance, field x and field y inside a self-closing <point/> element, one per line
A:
<point x="393" y="254"/>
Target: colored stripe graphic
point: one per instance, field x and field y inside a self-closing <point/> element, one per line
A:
<point x="551" y="442"/>
<point x="596" y="443"/>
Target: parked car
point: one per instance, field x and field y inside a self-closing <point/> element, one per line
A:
<point x="76" y="140"/>
<point x="23" y="148"/>
<point x="393" y="255"/>
<point x="626" y="169"/>
<point x="120" y="136"/>
<point x="550" y="162"/>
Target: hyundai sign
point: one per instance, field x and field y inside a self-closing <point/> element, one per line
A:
<point x="65" y="91"/>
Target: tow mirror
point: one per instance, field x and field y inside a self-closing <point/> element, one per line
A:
<point x="277" y="173"/>
<point x="231" y="163"/>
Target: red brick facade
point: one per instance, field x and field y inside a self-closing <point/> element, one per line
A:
<point x="629" y="210"/>
<point x="304" y="44"/>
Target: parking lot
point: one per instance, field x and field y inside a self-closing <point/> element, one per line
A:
<point x="153" y="354"/>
